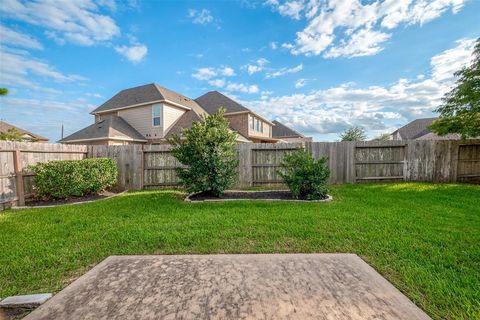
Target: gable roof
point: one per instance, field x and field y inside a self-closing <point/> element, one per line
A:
<point x="145" y="94"/>
<point x="281" y="130"/>
<point x="185" y="121"/>
<point x="112" y="127"/>
<point x="5" y="126"/>
<point x="416" y="128"/>
<point x="213" y="100"/>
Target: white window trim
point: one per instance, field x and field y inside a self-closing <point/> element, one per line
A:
<point x="160" y="116"/>
<point x="257" y="124"/>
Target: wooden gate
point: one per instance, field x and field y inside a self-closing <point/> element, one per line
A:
<point x="468" y="169"/>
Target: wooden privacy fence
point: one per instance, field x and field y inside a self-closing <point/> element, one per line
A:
<point x="153" y="166"/>
<point x="15" y="157"/>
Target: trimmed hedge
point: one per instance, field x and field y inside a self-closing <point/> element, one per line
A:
<point x="73" y="178"/>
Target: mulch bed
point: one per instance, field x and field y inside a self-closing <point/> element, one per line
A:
<point x="247" y="195"/>
<point x="39" y="203"/>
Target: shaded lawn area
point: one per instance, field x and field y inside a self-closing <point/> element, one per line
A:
<point x="424" y="238"/>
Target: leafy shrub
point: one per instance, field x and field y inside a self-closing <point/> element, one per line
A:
<point x="73" y="178"/>
<point x="305" y="177"/>
<point x="208" y="152"/>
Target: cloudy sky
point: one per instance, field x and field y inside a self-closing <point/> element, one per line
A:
<point x="319" y="66"/>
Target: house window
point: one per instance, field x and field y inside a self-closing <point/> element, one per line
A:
<point x="157" y="115"/>
<point x="258" y="125"/>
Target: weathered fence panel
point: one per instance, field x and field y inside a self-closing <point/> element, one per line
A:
<point x="159" y="167"/>
<point x="266" y="162"/>
<point x="153" y="166"/>
<point x="468" y="163"/>
<point x="380" y="163"/>
<point x="16" y="182"/>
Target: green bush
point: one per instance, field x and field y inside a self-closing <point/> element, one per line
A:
<point x="73" y="178"/>
<point x="208" y="152"/>
<point x="305" y="177"/>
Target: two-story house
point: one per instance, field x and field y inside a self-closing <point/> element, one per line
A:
<point x="243" y="120"/>
<point x="151" y="114"/>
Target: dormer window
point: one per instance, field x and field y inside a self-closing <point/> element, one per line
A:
<point x="157" y="115"/>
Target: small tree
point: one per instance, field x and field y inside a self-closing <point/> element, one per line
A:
<point x="383" y="137"/>
<point x="305" y="177"/>
<point x="12" y="134"/>
<point x="3" y="91"/>
<point x="353" y="134"/>
<point x="460" y="112"/>
<point x="208" y="152"/>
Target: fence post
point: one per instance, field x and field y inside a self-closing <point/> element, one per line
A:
<point x="17" y="163"/>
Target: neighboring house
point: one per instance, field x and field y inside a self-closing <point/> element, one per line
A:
<point x="151" y="114"/>
<point x="282" y="132"/>
<point x="27" y="136"/>
<point x="418" y="130"/>
<point x="243" y="120"/>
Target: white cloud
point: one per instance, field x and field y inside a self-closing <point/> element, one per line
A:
<point x="220" y="83"/>
<point x="325" y="113"/>
<point x="135" y="53"/>
<point x="451" y="60"/>
<point x="49" y="114"/>
<point x="19" y="68"/>
<point x="241" y="87"/>
<point x="233" y="86"/>
<point x="300" y="83"/>
<point x="227" y="72"/>
<point x="365" y="42"/>
<point x="256" y="66"/>
<point x="354" y="27"/>
<point x="284" y="71"/>
<point x="291" y="9"/>
<point x="273" y="45"/>
<point x="73" y="21"/>
<point x="208" y="73"/>
<point x="203" y="16"/>
<point x="204" y="73"/>
<point x="18" y="39"/>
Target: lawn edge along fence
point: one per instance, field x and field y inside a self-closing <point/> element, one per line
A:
<point x="153" y="166"/>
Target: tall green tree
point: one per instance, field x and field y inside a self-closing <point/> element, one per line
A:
<point x="353" y="134"/>
<point x="460" y="111"/>
<point x="208" y="152"/>
<point x="3" y="91"/>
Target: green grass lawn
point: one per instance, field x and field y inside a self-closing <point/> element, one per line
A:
<point x="424" y="238"/>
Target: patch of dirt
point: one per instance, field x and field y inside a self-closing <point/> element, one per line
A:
<point x="253" y="195"/>
<point x="14" y="313"/>
<point x="102" y="195"/>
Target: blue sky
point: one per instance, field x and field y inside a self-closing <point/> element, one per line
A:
<point x="318" y="66"/>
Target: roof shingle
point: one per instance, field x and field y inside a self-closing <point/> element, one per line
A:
<point x="279" y="130"/>
<point x="145" y="94"/>
<point x="213" y="100"/>
<point x="416" y="128"/>
<point x="111" y="127"/>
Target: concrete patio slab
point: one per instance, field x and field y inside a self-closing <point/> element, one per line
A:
<point x="266" y="286"/>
